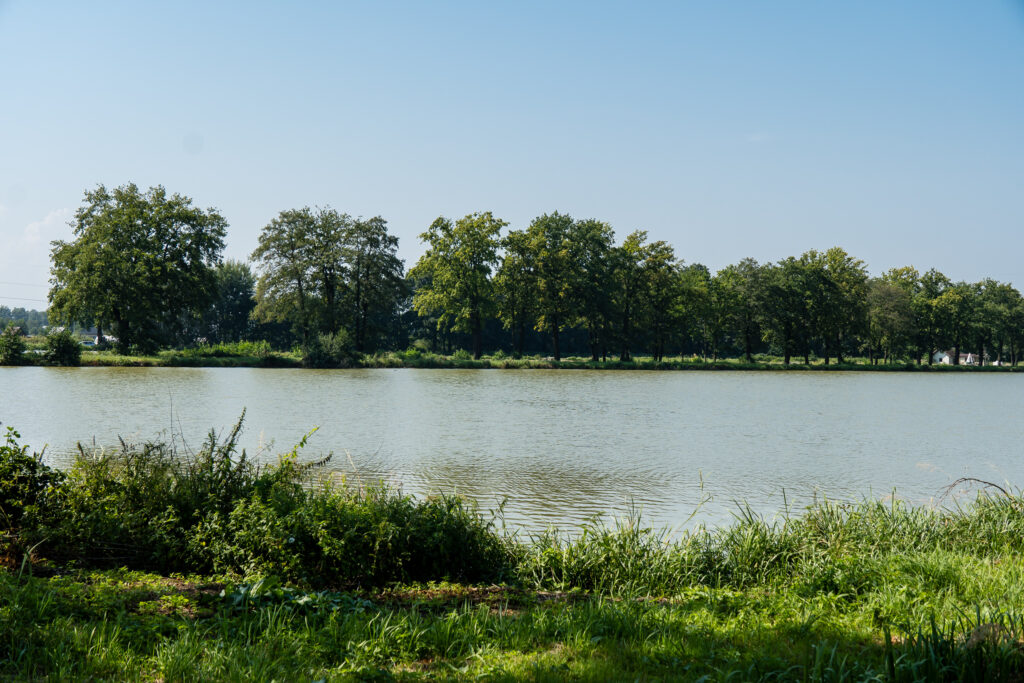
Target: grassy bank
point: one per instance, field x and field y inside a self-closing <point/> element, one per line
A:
<point x="398" y="359"/>
<point x="155" y="565"/>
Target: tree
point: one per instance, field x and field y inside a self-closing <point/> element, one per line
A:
<point x="516" y="288"/>
<point x="375" y="280"/>
<point x="12" y="346"/>
<point x="629" y="291"/>
<point x="141" y="263"/>
<point x="663" y="296"/>
<point x="929" y="314"/>
<point x="744" y="289"/>
<point x="229" y="316"/>
<point x="591" y="275"/>
<point x="890" y="319"/>
<point x="787" y="314"/>
<point x="954" y="310"/>
<point x="459" y="260"/>
<point x="549" y="242"/>
<point x="285" y="289"/>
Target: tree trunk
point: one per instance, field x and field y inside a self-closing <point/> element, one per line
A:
<point x="554" y="339"/>
<point x="477" y="334"/>
<point x="956" y="354"/>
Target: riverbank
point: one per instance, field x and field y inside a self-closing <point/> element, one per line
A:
<point x="149" y="564"/>
<point x="288" y="359"/>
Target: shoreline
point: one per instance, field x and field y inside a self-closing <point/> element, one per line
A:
<point x="393" y="360"/>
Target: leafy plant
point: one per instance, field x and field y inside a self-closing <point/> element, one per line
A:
<point x="12" y="346"/>
<point x="330" y="351"/>
<point x="63" y="348"/>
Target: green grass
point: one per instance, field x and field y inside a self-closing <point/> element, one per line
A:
<point x="259" y="354"/>
<point x="935" y="616"/>
<point x="147" y="565"/>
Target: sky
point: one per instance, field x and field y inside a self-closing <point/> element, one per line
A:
<point x="728" y="129"/>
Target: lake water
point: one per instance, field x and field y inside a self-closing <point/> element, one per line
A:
<point x="561" y="446"/>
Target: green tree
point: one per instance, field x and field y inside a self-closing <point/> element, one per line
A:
<point x="285" y="291"/>
<point x="591" y="275"/>
<point x="228" y="318"/>
<point x="141" y="263"/>
<point x="743" y="289"/>
<point x="629" y="289"/>
<point x="12" y="346"/>
<point x="459" y="260"/>
<point x="549" y="240"/>
<point x="955" y="315"/>
<point x="890" y="319"/>
<point x="930" y="316"/>
<point x="787" y="314"/>
<point x="665" y="314"/>
<point x="374" y="280"/>
<point x="516" y="288"/>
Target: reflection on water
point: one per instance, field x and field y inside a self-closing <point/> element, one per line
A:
<point x="561" y="446"/>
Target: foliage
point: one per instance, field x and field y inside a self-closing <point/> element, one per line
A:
<point x="228" y="317"/>
<point x="323" y="271"/>
<point x="28" y="490"/>
<point x="63" y="348"/>
<point x="30" y="321"/>
<point x="330" y="351"/>
<point x="12" y="346"/>
<point x="141" y="263"/>
<point x="456" y="272"/>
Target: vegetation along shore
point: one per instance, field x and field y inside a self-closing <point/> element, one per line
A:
<point x="150" y="564"/>
<point x="144" y="274"/>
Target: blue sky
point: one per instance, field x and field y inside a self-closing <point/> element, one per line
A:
<point x="762" y="129"/>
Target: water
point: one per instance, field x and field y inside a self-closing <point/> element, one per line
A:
<point x="561" y="446"/>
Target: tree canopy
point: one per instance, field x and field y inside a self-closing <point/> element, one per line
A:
<point x="141" y="264"/>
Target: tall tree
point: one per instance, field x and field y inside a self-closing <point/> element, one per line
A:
<point x="744" y="285"/>
<point x="788" y="319"/>
<point x="141" y="263"/>
<point x="285" y="292"/>
<point x="459" y="260"/>
<point x="549" y="241"/>
<point x="374" y="283"/>
<point x="630" y="289"/>
<point x="929" y="315"/>
<point x="664" y="306"/>
<point x="228" y="318"/>
<point x="591" y="249"/>
<point x="890" y="319"/>
<point x="516" y="287"/>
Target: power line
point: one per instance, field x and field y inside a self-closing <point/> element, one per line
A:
<point x="22" y="284"/>
<point x="21" y="298"/>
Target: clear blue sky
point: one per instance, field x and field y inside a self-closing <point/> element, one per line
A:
<point x="762" y="129"/>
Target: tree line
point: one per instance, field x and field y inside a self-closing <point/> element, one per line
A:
<point x="147" y="268"/>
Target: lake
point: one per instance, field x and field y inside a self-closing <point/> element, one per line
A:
<point x="559" y="446"/>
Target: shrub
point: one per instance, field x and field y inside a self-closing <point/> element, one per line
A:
<point x="462" y="354"/>
<point x="136" y="506"/>
<point x="25" y="480"/>
<point x="12" y="346"/>
<point x="330" y="351"/>
<point x="63" y="348"/>
<point x="347" y="537"/>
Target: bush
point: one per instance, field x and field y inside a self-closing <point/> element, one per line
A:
<point x="63" y="348"/>
<point x="137" y="506"/>
<point x="12" y="346"/>
<point x="347" y="537"/>
<point x="330" y="351"/>
<point x="28" y="489"/>
<point x="149" y="507"/>
<point x="25" y="481"/>
<point x="462" y="354"/>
